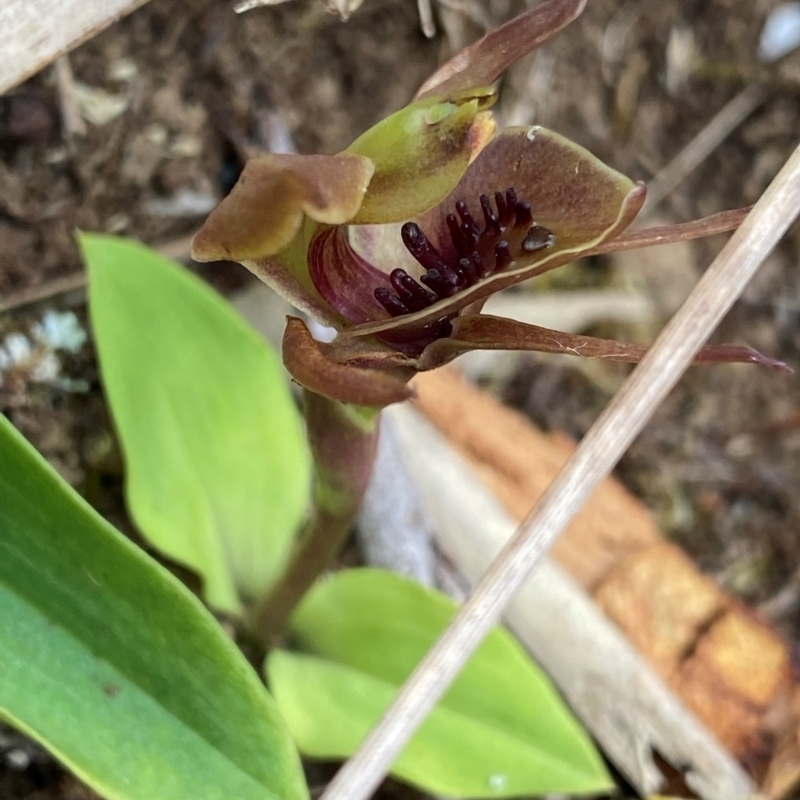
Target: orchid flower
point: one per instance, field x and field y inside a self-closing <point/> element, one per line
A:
<point x="398" y="241"/>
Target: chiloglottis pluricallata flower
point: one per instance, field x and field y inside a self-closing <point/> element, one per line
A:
<point x="398" y="241"/>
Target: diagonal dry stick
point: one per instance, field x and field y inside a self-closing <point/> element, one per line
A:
<point x="176" y="249"/>
<point x="726" y="120"/>
<point x="599" y="451"/>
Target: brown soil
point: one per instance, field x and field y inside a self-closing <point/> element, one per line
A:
<point x="202" y="87"/>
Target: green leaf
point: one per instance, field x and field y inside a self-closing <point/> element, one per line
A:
<point x="114" y="666"/>
<point x="500" y="731"/>
<point x="217" y="471"/>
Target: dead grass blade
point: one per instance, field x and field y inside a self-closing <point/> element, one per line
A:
<point x="600" y="450"/>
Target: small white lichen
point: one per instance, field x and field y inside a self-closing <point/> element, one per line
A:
<point x="47" y="369"/>
<point x="35" y="358"/>
<point x="60" y="330"/>
<point x="17" y="348"/>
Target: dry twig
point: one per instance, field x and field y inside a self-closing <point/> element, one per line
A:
<point x="176" y="249"/>
<point x="70" y="112"/>
<point x="426" y="18"/>
<point x="704" y="144"/>
<point x="600" y="450"/>
<point x="617" y="695"/>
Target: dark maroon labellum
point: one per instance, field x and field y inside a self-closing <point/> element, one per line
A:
<point x="508" y="228"/>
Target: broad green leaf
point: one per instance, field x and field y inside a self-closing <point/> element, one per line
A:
<point x="114" y="666"/>
<point x="217" y="471"/>
<point x="500" y="731"/>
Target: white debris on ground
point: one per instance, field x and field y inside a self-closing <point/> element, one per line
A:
<point x="185" y="202"/>
<point x="98" y="106"/>
<point x="60" y="330"/>
<point x="34" y="358"/>
<point x="781" y="32"/>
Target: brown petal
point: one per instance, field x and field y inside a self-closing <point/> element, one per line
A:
<point x="722" y="222"/>
<point x="311" y="364"/>
<point x="485" y="332"/>
<point x="579" y="199"/>
<point x="571" y="192"/>
<point x="487" y="59"/>
<point x="265" y="209"/>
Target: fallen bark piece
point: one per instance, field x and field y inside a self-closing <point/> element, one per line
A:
<point x="391" y="528"/>
<point x="783" y="774"/>
<point x="737" y="672"/>
<point x="728" y="667"/>
<point x="662" y="604"/>
<point x="616" y="694"/>
<point x="518" y="462"/>
<point x="37" y="32"/>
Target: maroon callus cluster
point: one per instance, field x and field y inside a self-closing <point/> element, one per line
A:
<point x="480" y="252"/>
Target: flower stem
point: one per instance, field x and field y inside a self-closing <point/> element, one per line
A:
<point x="343" y="440"/>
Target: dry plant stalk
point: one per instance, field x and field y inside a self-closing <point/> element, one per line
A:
<point x="621" y="701"/>
<point x="706" y="142"/>
<point x="601" y="449"/>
